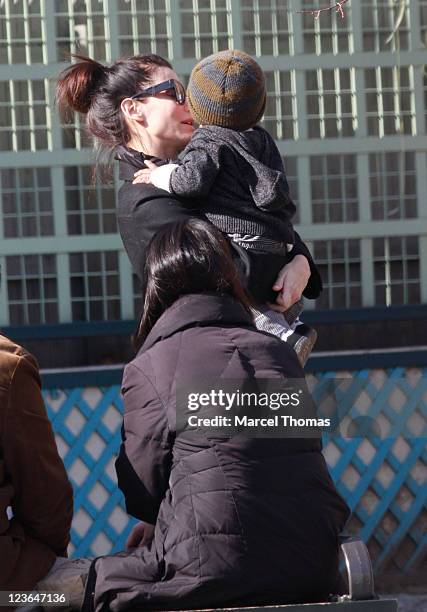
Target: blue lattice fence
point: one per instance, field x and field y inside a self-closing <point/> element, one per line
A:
<point x="383" y="479"/>
<point x="87" y="424"/>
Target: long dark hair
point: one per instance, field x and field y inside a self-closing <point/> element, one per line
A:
<point x="95" y="90"/>
<point x="190" y="256"/>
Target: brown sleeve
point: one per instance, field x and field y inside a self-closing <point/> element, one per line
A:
<point x="43" y="501"/>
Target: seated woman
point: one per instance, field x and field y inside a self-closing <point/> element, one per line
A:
<point x="238" y="520"/>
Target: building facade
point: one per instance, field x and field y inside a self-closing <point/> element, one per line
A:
<point x="347" y="105"/>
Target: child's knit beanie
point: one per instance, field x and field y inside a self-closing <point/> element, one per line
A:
<point x="227" y="89"/>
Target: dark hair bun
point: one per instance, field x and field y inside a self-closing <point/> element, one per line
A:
<point x="77" y="84"/>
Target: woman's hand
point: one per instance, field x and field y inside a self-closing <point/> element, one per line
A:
<point x="144" y="175"/>
<point x="291" y="282"/>
<point x="141" y="534"/>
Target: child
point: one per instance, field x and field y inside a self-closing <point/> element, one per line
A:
<point x="235" y="169"/>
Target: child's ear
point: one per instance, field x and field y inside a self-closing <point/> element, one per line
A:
<point x="132" y="109"/>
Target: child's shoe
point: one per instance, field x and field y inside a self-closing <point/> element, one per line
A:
<point x="302" y="341"/>
<point x="292" y="314"/>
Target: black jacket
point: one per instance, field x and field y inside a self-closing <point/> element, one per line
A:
<point x="238" y="520"/>
<point x="144" y="209"/>
<point x="240" y="179"/>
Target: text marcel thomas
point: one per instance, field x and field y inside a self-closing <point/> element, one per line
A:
<point x="218" y="398"/>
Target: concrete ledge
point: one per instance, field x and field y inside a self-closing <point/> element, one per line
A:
<point x="362" y="360"/>
<point x="374" y="605"/>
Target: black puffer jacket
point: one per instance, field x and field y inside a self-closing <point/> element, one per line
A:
<point x="238" y="520"/>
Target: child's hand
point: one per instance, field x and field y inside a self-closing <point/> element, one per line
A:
<point x="159" y="176"/>
<point x="144" y="175"/>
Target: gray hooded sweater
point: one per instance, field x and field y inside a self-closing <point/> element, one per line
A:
<point x="239" y="176"/>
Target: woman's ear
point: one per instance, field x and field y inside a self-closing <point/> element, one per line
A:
<point x="132" y="109"/>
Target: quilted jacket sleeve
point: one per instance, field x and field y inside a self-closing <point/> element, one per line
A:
<point x="144" y="462"/>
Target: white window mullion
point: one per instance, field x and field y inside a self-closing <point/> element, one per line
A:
<point x="126" y="286"/>
<point x="420" y="166"/>
<point x="197" y="45"/>
<point x="13" y="124"/>
<point x="175" y="33"/>
<point x="278" y="104"/>
<point x="4" y="305"/>
<point x="63" y="287"/>
<point x="380" y="105"/>
<point x="134" y="18"/>
<point x="257" y="28"/>
<point x="8" y="30"/>
<point x="338" y="105"/>
<point x="48" y="29"/>
<point x="111" y="29"/>
<point x="320" y="95"/>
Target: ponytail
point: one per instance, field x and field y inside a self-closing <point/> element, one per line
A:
<point x="77" y="84"/>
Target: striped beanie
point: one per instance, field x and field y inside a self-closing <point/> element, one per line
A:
<point x="227" y="89"/>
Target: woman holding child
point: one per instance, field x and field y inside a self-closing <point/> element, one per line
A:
<point x="137" y="110"/>
<point x="237" y="520"/>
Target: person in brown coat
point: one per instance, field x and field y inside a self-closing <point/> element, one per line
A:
<point x="36" y="499"/>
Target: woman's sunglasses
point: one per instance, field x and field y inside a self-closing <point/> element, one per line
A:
<point x="175" y="87"/>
